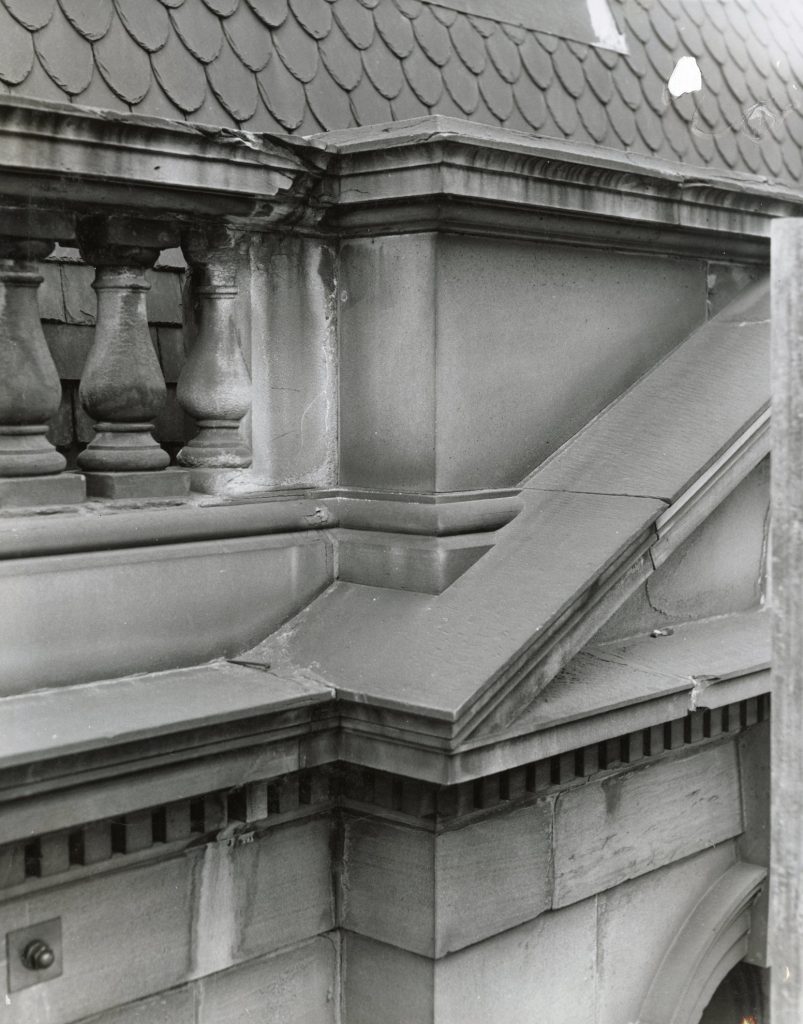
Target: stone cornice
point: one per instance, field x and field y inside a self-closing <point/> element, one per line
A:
<point x="430" y="172"/>
<point x="61" y="156"/>
<point x="388" y="177"/>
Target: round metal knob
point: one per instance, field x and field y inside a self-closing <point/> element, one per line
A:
<point x="38" y="956"/>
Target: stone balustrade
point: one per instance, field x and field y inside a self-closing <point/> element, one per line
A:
<point x="122" y="387"/>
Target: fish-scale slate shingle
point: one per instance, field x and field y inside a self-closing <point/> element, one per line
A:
<point x="305" y="66"/>
<point x="90" y="17"/>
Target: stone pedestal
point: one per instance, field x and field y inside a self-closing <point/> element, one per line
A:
<point x="172" y="483"/>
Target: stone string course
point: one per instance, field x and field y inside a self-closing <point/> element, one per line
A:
<point x="306" y="66"/>
<point x="241" y="813"/>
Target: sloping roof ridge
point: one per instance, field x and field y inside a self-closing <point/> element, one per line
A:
<point x="478" y="653"/>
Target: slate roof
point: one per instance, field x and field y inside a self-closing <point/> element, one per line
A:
<point x="305" y="66"/>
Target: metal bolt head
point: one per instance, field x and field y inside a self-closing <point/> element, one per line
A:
<point x="38" y="956"/>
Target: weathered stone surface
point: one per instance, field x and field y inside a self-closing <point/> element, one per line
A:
<point x="60" y="489"/>
<point x="290" y="870"/>
<point x="437" y="421"/>
<point x="702" y="578"/>
<point x="139" y="606"/>
<point x="296" y="987"/>
<point x="407" y="991"/>
<point x="173" y="483"/>
<point x="154" y="900"/>
<point x="547" y="964"/>
<point x="289" y="339"/>
<point x="637" y="922"/>
<point x="214" y="386"/>
<point x="122" y="387"/>
<point x="787" y="597"/>
<point x="174" y="1007"/>
<point x="644" y="820"/>
<point x="31" y="392"/>
<point x="492" y="875"/>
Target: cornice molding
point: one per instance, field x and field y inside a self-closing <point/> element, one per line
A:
<point x="382" y="175"/>
<point x="57" y="155"/>
<point x="429" y="172"/>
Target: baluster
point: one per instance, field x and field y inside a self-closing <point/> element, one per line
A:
<point x="30" y="390"/>
<point x="123" y="388"/>
<point x="215" y="386"/>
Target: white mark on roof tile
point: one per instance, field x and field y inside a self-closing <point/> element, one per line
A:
<point x="686" y="77"/>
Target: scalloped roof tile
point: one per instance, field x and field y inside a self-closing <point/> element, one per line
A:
<point x="31" y="14"/>
<point x="233" y="84"/>
<point x="314" y="15"/>
<point x="146" y="21"/>
<point x="180" y="75"/>
<point x="253" y="46"/>
<point x="505" y="55"/>
<point x="432" y="37"/>
<point x="311" y="65"/>
<point x="71" y="67"/>
<point x="368" y="105"/>
<point x="384" y="69"/>
<point x="530" y="101"/>
<point x="200" y="30"/>
<point x="425" y="80"/>
<point x="16" y="50"/>
<point x="462" y="86"/>
<point x="342" y="61"/>
<point x="90" y="17"/>
<point x="329" y="104"/>
<point x="125" y="66"/>
<point x="395" y="29"/>
<point x="356" y="21"/>
<point x="272" y="12"/>
<point x="469" y="44"/>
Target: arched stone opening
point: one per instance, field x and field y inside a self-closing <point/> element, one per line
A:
<point x="706" y="950"/>
<point x="742" y="997"/>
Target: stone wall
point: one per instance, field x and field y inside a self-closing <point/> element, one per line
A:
<point x="347" y="895"/>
